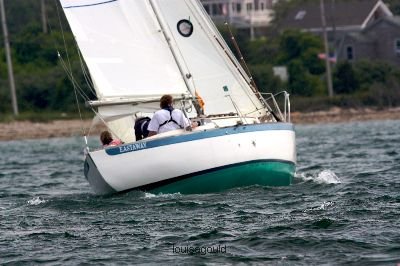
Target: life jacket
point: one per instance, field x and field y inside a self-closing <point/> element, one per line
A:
<point x="115" y="142"/>
<point x="141" y="125"/>
<point x="170" y="109"/>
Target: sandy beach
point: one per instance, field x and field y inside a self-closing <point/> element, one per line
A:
<point x="67" y="128"/>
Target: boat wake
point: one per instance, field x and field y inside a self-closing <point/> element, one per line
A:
<point x="324" y="177"/>
<point x="148" y="195"/>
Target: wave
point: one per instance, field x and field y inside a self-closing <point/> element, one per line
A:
<point x="324" y="177"/>
<point x="36" y="201"/>
<point x="151" y="195"/>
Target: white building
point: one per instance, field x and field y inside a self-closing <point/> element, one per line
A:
<point x="242" y="14"/>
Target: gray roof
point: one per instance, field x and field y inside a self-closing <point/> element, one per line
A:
<point x="359" y="37"/>
<point x="342" y="13"/>
<point x="365" y="37"/>
<point x="394" y="21"/>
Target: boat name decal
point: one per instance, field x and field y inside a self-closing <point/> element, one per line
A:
<point x="133" y="147"/>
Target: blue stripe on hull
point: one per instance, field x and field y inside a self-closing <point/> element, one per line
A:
<point x="141" y="145"/>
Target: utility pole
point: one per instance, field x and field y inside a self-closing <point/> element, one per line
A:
<point x="327" y="63"/>
<point x="8" y="57"/>
<point x="251" y="23"/>
<point x="44" y="18"/>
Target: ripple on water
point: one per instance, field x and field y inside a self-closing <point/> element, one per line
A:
<point x="343" y="208"/>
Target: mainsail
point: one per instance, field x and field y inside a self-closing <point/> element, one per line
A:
<point x="138" y="50"/>
<point x="125" y="52"/>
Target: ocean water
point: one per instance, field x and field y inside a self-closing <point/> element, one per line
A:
<point x="343" y="208"/>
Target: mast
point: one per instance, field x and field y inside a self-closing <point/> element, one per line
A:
<point x="9" y="61"/>
<point x="185" y="76"/>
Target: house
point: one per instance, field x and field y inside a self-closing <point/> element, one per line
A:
<point x="378" y="41"/>
<point x="357" y="29"/>
<point x="342" y="16"/>
<point x="252" y="15"/>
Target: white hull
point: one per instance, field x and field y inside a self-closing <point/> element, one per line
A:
<point x="154" y="161"/>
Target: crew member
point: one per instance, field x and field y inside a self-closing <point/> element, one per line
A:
<point x="107" y="140"/>
<point x="167" y="118"/>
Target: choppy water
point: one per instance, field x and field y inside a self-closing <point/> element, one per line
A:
<point x="344" y="208"/>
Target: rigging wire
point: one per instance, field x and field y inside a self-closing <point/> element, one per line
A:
<point x="84" y="95"/>
<point x="214" y="37"/>
<point x="246" y="68"/>
<point x="86" y="75"/>
<point x="248" y="72"/>
<point x="77" y="88"/>
<point x="70" y="67"/>
<point x="84" y="71"/>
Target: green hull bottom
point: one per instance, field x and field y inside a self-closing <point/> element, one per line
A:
<point x="265" y="173"/>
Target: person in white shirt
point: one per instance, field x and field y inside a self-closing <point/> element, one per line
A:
<point x="167" y="118"/>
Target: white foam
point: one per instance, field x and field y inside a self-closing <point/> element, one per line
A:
<point x="324" y="177"/>
<point x="327" y="177"/>
<point x="151" y="195"/>
<point x="36" y="201"/>
<point x="323" y="206"/>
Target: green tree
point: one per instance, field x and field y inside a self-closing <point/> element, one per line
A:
<point x="369" y="72"/>
<point x="264" y="78"/>
<point x="301" y="82"/>
<point x="261" y="51"/>
<point x="311" y="61"/>
<point x="294" y="44"/>
<point x="299" y="51"/>
<point x="394" y="6"/>
<point x="344" y="78"/>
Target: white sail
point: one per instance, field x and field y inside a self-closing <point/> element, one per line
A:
<point x="124" y="49"/>
<point x="202" y="55"/>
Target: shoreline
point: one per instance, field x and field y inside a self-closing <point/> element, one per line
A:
<point x="19" y="130"/>
<point x="339" y="115"/>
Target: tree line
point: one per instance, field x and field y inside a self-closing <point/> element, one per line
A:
<point x="42" y="83"/>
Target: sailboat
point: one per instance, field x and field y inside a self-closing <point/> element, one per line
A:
<point x="138" y="50"/>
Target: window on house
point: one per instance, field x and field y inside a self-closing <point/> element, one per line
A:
<point x="262" y="6"/>
<point x="238" y="7"/>
<point x="256" y="3"/>
<point x="214" y="8"/>
<point x="397" y="47"/>
<point x="207" y="8"/>
<point x="350" y="53"/>
<point x="217" y="9"/>
<point x="249" y="6"/>
<point x="221" y="9"/>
